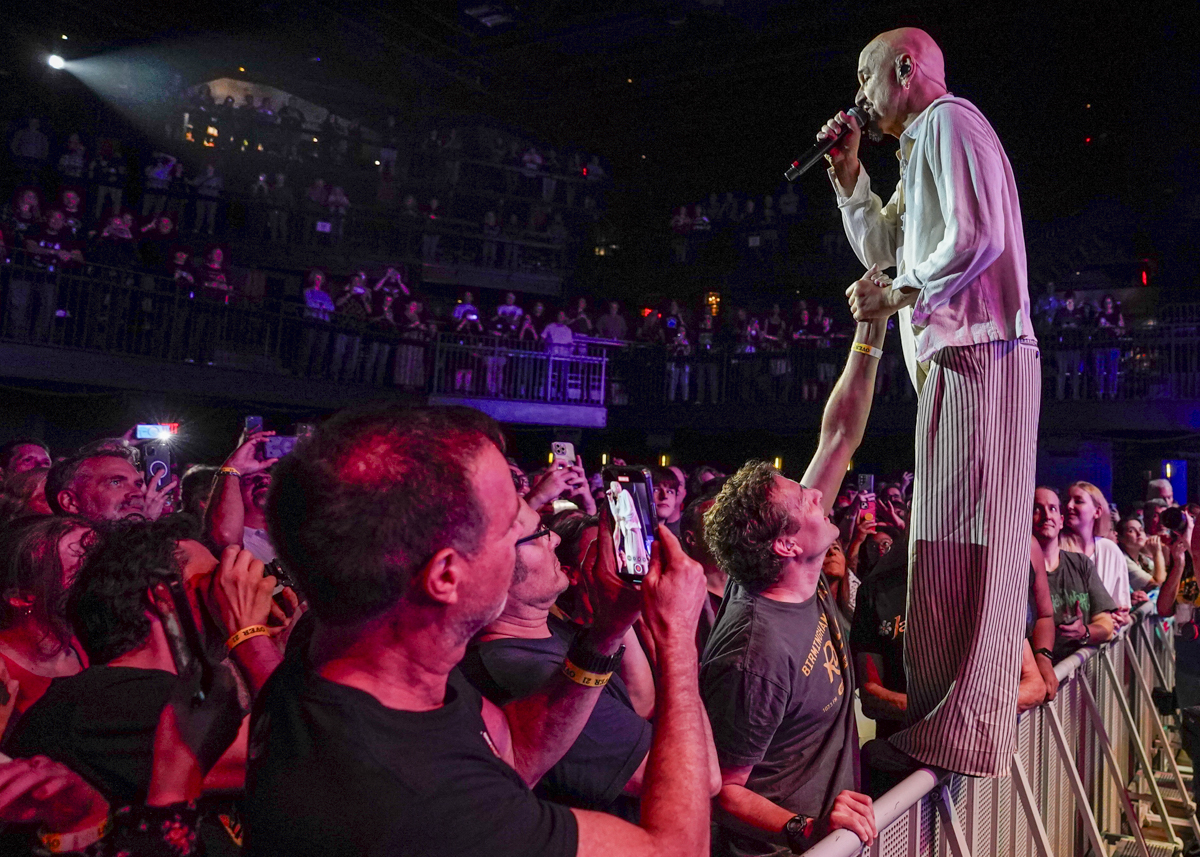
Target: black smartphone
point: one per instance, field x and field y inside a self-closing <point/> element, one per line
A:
<point x="630" y="495"/>
<point x="156" y="464"/>
<point x="183" y="639"/>
<point x="253" y="424"/>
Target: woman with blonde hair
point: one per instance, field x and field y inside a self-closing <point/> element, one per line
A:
<point x="1086" y="527"/>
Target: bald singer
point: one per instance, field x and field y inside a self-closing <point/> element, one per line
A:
<point x="952" y="230"/>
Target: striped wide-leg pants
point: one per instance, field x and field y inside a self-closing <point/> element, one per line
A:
<point x="970" y="529"/>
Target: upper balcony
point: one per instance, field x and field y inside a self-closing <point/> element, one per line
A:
<point x="123" y="329"/>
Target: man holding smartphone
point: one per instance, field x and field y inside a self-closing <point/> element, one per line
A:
<point x="236" y="511"/>
<point x="775" y="674"/>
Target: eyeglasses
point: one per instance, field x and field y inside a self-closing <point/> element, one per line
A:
<point x="544" y="531"/>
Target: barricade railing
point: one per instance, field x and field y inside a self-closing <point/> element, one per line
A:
<point x="1094" y="773"/>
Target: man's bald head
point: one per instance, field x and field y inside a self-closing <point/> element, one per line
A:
<point x="919" y="46"/>
<point x="900" y="73"/>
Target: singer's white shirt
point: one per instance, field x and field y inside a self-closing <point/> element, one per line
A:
<point x="952" y="229"/>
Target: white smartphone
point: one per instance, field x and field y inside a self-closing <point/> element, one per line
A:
<point x="562" y="452"/>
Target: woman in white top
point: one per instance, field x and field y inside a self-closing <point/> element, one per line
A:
<point x="1087" y="530"/>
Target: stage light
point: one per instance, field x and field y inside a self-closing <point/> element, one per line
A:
<point x="241" y="68"/>
<point x="778" y="462"/>
<point x="55" y="61"/>
<point x="64" y="37"/>
<point x="604" y="459"/>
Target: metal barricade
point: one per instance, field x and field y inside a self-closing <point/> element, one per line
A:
<point x="1094" y="773"/>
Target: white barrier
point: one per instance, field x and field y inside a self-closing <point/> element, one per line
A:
<point x="1069" y="793"/>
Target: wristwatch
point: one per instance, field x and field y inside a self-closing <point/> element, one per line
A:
<point x="1044" y="651"/>
<point x="584" y="656"/>
<point x="799" y="831"/>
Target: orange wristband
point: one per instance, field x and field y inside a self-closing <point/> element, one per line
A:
<point x="245" y="634"/>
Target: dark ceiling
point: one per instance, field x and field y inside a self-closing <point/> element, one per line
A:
<point x="715" y="95"/>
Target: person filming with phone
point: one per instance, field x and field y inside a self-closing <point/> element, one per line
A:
<point x="1179" y="597"/>
<point x="403" y="527"/>
<point x="605" y="769"/>
<point x="155" y="720"/>
<point x="236" y="513"/>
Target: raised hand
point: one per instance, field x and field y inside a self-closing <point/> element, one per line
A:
<point x="238" y="593"/>
<point x="616" y="604"/>
<point x="674" y="592"/>
<point x="157" y="500"/>
<point x="245" y="458"/>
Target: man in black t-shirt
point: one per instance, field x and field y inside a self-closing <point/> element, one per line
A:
<point x="1082" y="606"/>
<point x="877" y="640"/>
<point x="401" y="526"/>
<point x="104" y="722"/>
<point x="523" y="648"/>
<point x="776" y="676"/>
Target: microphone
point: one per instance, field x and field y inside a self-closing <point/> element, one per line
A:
<point x="802" y="165"/>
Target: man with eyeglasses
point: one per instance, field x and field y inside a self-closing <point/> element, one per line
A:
<point x="525" y="645"/>
<point x="402" y="527"/>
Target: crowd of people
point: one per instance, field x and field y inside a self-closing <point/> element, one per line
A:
<point x="249" y="181"/>
<point x="759" y="225"/>
<point x="441" y="655"/>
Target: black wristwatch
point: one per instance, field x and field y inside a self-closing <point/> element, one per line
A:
<point x="584" y="656"/>
<point x="1044" y="651"/>
<point x="799" y="832"/>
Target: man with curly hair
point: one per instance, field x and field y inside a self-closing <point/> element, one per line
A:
<point x="775" y="675"/>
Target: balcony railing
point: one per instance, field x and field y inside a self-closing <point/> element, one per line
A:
<point x="128" y="312"/>
<point x="141" y="315"/>
<point x="1153" y="362"/>
<point x="487" y="367"/>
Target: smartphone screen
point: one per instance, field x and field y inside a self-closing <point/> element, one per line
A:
<point x="630" y="496"/>
<point x="253" y="424"/>
<point x="153" y="431"/>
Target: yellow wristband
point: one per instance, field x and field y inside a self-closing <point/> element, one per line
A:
<point x="58" y="843"/>
<point x="869" y="350"/>
<point x="232" y="471"/>
<point x="245" y="634"/>
<point x="583" y="677"/>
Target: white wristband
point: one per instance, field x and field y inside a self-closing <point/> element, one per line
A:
<point x="869" y="350"/>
